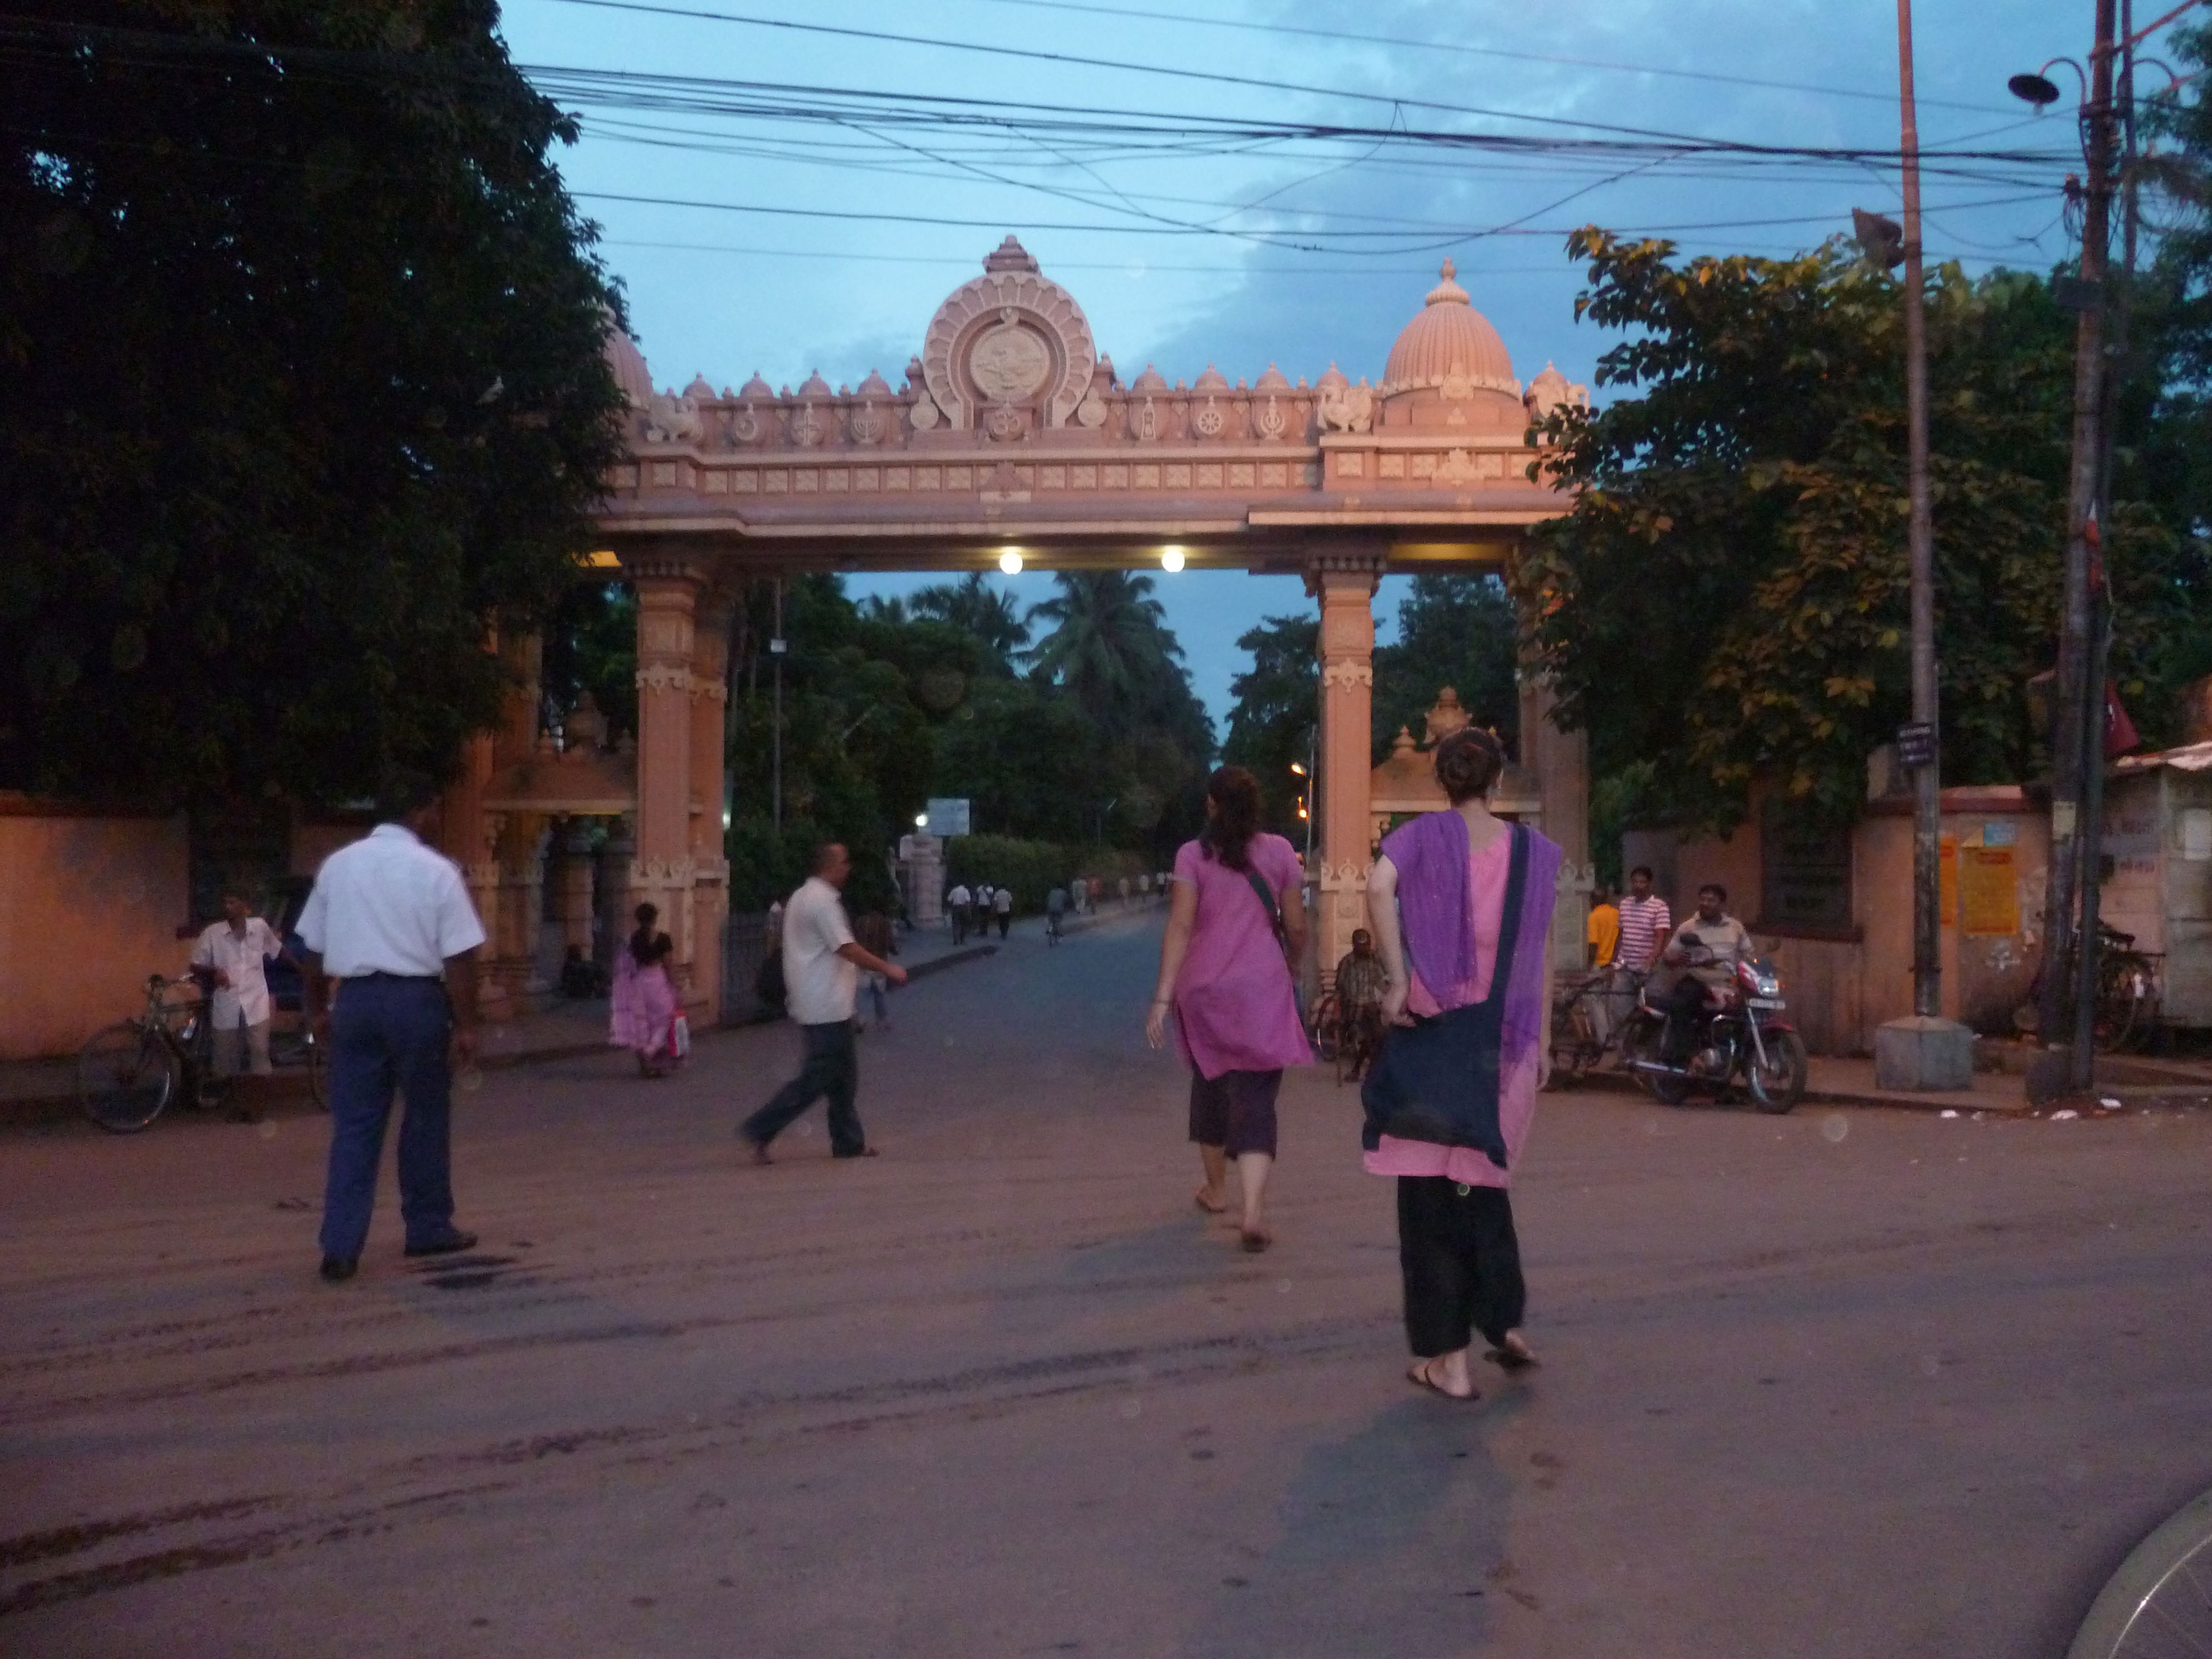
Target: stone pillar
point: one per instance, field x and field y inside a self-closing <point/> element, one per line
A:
<point x="509" y="967"/>
<point x="612" y="891"/>
<point x="1345" y="584"/>
<point x="1560" y="761"/>
<point x="579" y="923"/>
<point x="710" y="865"/>
<point x="661" y="869"/>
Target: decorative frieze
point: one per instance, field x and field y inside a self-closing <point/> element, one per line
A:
<point x="1347" y="673"/>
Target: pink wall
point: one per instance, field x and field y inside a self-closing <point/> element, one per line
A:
<point x="1841" y="989"/>
<point x="88" y="907"/>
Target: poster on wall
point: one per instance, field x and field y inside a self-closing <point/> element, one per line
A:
<point x="1806" y="865"/>
<point x="1988" y="890"/>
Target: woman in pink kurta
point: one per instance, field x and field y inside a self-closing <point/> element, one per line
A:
<point x="1224" y="973"/>
<point x="641" y="1011"/>
<point x="1461" y="904"/>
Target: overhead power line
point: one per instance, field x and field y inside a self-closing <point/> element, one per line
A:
<point x="1887" y="100"/>
<point x="1211" y="77"/>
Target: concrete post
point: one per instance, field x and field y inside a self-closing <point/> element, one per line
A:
<point x="661" y="870"/>
<point x="1345" y="584"/>
<point x="1560" y="760"/>
<point x="710" y="866"/>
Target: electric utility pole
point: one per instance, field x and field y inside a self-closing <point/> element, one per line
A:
<point x="2072" y="729"/>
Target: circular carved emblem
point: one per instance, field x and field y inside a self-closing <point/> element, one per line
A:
<point x="1009" y="363"/>
<point x="1209" y="421"/>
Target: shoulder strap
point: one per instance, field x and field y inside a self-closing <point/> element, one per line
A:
<point x="1266" y="900"/>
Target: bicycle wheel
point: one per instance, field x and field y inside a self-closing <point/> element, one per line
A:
<point x="2156" y="1604"/>
<point x="125" y="1075"/>
<point x="2123" y="988"/>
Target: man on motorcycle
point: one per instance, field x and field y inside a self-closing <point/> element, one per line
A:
<point x="1727" y="940"/>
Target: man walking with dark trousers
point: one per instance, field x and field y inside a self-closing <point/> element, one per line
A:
<point x="389" y="921"/>
<point x="822" y="965"/>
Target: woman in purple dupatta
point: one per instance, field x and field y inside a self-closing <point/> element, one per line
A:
<point x="1452" y="894"/>
<point x="641" y="1008"/>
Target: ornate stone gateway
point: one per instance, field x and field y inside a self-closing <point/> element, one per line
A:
<point x="1011" y="435"/>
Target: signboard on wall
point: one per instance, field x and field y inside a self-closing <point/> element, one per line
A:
<point x="1988" y="890"/>
<point x="1806" y="872"/>
<point x="948" y="816"/>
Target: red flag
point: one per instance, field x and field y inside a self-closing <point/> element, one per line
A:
<point x="2120" y="734"/>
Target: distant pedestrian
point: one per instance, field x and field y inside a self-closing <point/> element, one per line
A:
<point x="873" y="933"/>
<point x="1603" y="932"/>
<point x="390" y="920"/>
<point x="641" y="1009"/>
<point x="1125" y="892"/>
<point x="1002" y="906"/>
<point x="1055" y="914"/>
<point x="1461" y="904"/>
<point x="822" y="965"/>
<point x="1235" y="907"/>
<point x="234" y="954"/>
<point x="956" y="906"/>
<point x="1645" y="923"/>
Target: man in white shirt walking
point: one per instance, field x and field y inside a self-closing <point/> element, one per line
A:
<point x="956" y="906"/>
<point x="1002" y="907"/>
<point x="390" y="920"/>
<point x="821" y="967"/>
<point x="234" y="953"/>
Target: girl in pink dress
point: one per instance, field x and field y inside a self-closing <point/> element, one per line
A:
<point x="1461" y="904"/>
<point x="1235" y="904"/>
<point x="641" y="1009"/>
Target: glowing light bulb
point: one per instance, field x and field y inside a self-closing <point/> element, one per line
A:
<point x="1171" y="560"/>
<point x="1010" y="561"/>
<point x="922" y="820"/>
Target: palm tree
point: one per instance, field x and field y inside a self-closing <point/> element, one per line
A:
<point x="981" y="610"/>
<point x="1107" y="647"/>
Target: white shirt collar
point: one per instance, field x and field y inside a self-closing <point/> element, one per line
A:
<point x="398" y="830"/>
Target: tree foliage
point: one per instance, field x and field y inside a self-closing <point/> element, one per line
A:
<point x="1727" y="597"/>
<point x="1271" y="725"/>
<point x="301" y="389"/>
<point x="1456" y="631"/>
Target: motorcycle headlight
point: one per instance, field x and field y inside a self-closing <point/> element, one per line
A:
<point x="1769" y="985"/>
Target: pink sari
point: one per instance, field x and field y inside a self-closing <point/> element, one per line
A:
<point x="641" y="1010"/>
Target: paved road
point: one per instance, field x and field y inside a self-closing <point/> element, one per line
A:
<point x="1874" y="1383"/>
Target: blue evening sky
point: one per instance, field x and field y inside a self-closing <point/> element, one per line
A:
<point x="725" y="293"/>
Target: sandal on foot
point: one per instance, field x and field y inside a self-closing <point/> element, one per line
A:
<point x="1417" y="1374"/>
<point x="1510" y="1360"/>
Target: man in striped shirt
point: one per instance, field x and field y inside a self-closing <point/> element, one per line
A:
<point x="1645" y="923"/>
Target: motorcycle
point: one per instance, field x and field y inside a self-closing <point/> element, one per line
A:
<point x="1742" y="1033"/>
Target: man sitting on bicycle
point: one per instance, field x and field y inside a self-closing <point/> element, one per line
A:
<point x="234" y="954"/>
<point x="1055" y="906"/>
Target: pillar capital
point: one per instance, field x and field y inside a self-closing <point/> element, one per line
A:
<point x="1343" y="570"/>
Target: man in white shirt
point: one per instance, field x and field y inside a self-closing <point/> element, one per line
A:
<point x="390" y="920"/>
<point x="821" y="969"/>
<point x="234" y="953"/>
<point x="1002" y="906"/>
<point x="956" y="906"/>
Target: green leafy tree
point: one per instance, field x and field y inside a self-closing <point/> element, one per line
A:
<point x="977" y="608"/>
<point x="301" y="389"/>
<point x="1272" y="723"/>
<point x="1456" y="631"/>
<point x="1727" y="599"/>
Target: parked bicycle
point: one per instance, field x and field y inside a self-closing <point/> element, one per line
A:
<point x="1589" y="1010"/>
<point x="2130" y="985"/>
<point x="128" y="1074"/>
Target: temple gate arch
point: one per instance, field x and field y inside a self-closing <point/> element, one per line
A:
<point x="1010" y="430"/>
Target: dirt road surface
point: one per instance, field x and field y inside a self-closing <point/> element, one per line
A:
<point x="1845" y="1383"/>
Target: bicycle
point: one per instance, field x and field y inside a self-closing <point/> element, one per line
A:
<point x="1585" y="1026"/>
<point x="2128" y="991"/>
<point x="1052" y="933"/>
<point x="128" y="1072"/>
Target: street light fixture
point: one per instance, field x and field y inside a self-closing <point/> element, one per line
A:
<point x="1171" y="560"/>
<point x="1010" y="561"/>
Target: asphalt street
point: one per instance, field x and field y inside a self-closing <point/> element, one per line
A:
<point x="1847" y="1383"/>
